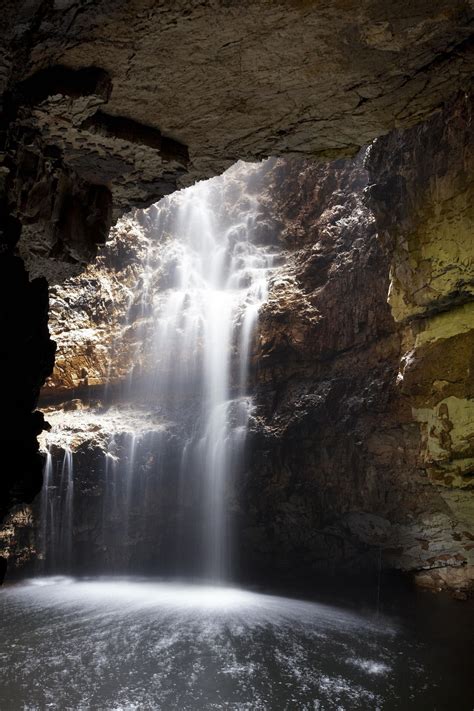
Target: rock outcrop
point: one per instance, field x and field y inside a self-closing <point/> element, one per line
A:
<point x="102" y="318"/>
<point x="108" y="105"/>
<point x="366" y="408"/>
<point x="338" y="478"/>
<point x="359" y="441"/>
<point x="112" y="105"/>
<point x="422" y="197"/>
<point x="92" y="316"/>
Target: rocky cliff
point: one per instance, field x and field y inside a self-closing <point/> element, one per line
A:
<point x="339" y="476"/>
<point x="365" y="424"/>
<point x="359" y="446"/>
<point x="422" y="197"/>
<point x="108" y="105"/>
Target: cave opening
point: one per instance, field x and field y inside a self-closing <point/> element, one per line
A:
<point x="237" y="415"/>
<point x="150" y="442"/>
<point x="225" y="344"/>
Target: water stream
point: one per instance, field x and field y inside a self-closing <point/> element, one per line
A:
<point x="158" y="498"/>
<point x="194" y="313"/>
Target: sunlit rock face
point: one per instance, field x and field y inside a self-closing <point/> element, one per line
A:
<point x="422" y="196"/>
<point x="103" y="319"/>
<point x="335" y="481"/>
<point x="349" y="466"/>
<point x="91" y="317"/>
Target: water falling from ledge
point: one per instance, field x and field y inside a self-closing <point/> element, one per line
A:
<point x="193" y="313"/>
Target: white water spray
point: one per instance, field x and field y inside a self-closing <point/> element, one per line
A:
<point x="196" y="308"/>
<point x="203" y="327"/>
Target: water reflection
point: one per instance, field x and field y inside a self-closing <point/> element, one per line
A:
<point x="130" y="644"/>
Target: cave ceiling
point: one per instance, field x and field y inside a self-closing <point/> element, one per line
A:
<point x="144" y="96"/>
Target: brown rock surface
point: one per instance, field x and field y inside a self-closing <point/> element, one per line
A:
<point x="337" y="473"/>
<point x="108" y="105"/>
<point x="423" y="196"/>
<point x="90" y="316"/>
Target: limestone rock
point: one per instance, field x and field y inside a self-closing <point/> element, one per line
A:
<point x="422" y="196"/>
<point x="349" y="463"/>
<point x="135" y="99"/>
<point x="109" y="105"/>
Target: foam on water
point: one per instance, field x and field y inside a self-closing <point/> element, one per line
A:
<point x="113" y="644"/>
<point x="199" y="290"/>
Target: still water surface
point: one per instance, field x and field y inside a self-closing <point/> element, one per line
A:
<point x="134" y="644"/>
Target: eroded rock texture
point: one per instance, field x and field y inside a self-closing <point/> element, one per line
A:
<point x="368" y="406"/>
<point x="93" y="318"/>
<point x="340" y="470"/>
<point x="422" y="196"/>
<point x="108" y="105"/>
<point x="359" y="441"/>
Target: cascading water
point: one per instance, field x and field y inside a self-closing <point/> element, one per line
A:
<point x="45" y="504"/>
<point x="203" y="324"/>
<point x="55" y="535"/>
<point x="193" y="313"/>
<point x="143" y="483"/>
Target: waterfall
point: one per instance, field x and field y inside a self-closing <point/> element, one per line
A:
<point x="44" y="505"/>
<point x="198" y="296"/>
<point x="203" y="325"/>
<point x="55" y="534"/>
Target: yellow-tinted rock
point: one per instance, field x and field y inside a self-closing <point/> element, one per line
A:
<point x="447" y="324"/>
<point x="438" y="259"/>
<point x="448" y="435"/>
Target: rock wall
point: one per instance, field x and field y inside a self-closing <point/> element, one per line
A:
<point x="334" y="451"/>
<point x="337" y="479"/>
<point x="365" y="421"/>
<point x="422" y="198"/>
<point x="94" y="317"/>
<point x="359" y="447"/>
<point x="107" y="105"/>
<point x="102" y="318"/>
<point x="111" y="105"/>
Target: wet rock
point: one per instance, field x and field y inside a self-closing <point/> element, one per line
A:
<point x="361" y="442"/>
<point x="422" y="198"/>
<point x="107" y="107"/>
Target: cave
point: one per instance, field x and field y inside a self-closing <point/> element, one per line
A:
<point x="236" y="255"/>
